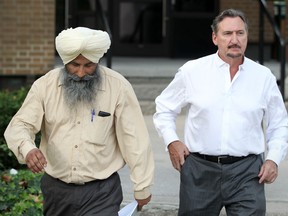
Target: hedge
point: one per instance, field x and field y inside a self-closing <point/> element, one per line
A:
<point x="20" y="193"/>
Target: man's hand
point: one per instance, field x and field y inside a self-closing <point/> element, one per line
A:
<point x="36" y="161"/>
<point x="268" y="172"/>
<point x="142" y="202"/>
<point x="178" y="152"/>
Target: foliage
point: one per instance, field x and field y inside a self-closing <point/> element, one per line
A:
<point x="22" y="194"/>
<point x="10" y="102"/>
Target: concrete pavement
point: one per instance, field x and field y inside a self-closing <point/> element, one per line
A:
<point x="149" y="76"/>
<point x="143" y="67"/>
<point x="142" y="72"/>
<point x="166" y="184"/>
<point x="159" y="71"/>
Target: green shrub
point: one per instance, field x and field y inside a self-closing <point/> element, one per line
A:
<point x="10" y="102"/>
<point x="20" y="194"/>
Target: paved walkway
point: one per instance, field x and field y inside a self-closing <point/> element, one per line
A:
<point x="165" y="190"/>
<point x="158" y="67"/>
<point x="167" y="67"/>
<point x="166" y="185"/>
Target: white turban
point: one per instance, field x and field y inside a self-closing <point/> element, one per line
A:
<point x="92" y="44"/>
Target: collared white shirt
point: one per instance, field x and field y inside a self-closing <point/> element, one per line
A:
<point x="225" y="117"/>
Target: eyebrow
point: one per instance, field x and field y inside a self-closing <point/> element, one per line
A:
<point x="77" y="63"/>
<point x="230" y="31"/>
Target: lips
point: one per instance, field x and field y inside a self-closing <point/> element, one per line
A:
<point x="234" y="46"/>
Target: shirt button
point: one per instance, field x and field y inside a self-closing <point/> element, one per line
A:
<point x="76" y="146"/>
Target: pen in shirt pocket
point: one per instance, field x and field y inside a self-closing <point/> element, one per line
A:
<point x="100" y="113"/>
<point x="92" y="114"/>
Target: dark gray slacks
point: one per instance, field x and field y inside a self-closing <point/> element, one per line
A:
<point x="97" y="198"/>
<point x="206" y="187"/>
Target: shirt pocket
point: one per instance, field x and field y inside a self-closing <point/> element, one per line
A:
<point x="98" y="131"/>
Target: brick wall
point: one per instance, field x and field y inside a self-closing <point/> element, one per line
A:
<point x="28" y="33"/>
<point x="251" y="9"/>
<point x="27" y="36"/>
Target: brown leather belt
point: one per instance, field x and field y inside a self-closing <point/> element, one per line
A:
<point x="222" y="159"/>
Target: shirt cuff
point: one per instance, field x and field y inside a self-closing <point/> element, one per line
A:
<point x="143" y="194"/>
<point x="274" y="156"/>
<point x="169" y="136"/>
<point x="24" y="149"/>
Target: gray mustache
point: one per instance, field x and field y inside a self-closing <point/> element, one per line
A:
<point x="84" y="78"/>
<point x="234" y="46"/>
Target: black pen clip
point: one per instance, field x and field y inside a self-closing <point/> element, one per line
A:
<point x="103" y="114"/>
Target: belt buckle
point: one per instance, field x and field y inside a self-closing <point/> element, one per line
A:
<point x="79" y="183"/>
<point x="219" y="158"/>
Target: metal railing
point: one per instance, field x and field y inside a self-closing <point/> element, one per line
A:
<point x="103" y="19"/>
<point x="282" y="54"/>
<point x="105" y="23"/>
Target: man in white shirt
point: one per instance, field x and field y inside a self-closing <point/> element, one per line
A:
<point x="234" y="110"/>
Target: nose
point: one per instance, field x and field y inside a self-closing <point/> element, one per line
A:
<point x="234" y="38"/>
<point x="81" y="72"/>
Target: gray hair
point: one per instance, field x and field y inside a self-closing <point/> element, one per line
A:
<point x="228" y="13"/>
<point x="77" y="90"/>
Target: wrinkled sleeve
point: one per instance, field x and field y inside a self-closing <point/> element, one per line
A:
<point x="20" y="132"/>
<point x="276" y="126"/>
<point x="134" y="142"/>
<point x="168" y="106"/>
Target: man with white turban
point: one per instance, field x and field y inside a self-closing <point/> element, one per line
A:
<point x="92" y="44"/>
<point x="91" y="126"/>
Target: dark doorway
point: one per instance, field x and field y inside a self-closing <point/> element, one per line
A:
<point x="191" y="21"/>
<point x="174" y="28"/>
<point x="162" y="28"/>
<point x="140" y="27"/>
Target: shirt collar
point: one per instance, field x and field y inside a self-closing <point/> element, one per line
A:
<point x="219" y="62"/>
<point x="60" y="80"/>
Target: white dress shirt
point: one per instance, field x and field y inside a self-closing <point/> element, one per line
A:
<point x="225" y="117"/>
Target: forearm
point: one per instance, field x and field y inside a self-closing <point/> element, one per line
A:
<point x="19" y="142"/>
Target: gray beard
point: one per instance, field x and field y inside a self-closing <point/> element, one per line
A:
<point x="80" y="91"/>
<point x="234" y="56"/>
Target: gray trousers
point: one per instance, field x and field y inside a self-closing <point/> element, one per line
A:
<point x="101" y="197"/>
<point x="206" y="187"/>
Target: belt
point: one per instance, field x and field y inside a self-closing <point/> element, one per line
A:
<point x="81" y="183"/>
<point x="222" y="159"/>
<point x="77" y="183"/>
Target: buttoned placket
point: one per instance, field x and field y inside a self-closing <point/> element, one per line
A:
<point x="76" y="147"/>
<point x="228" y="91"/>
